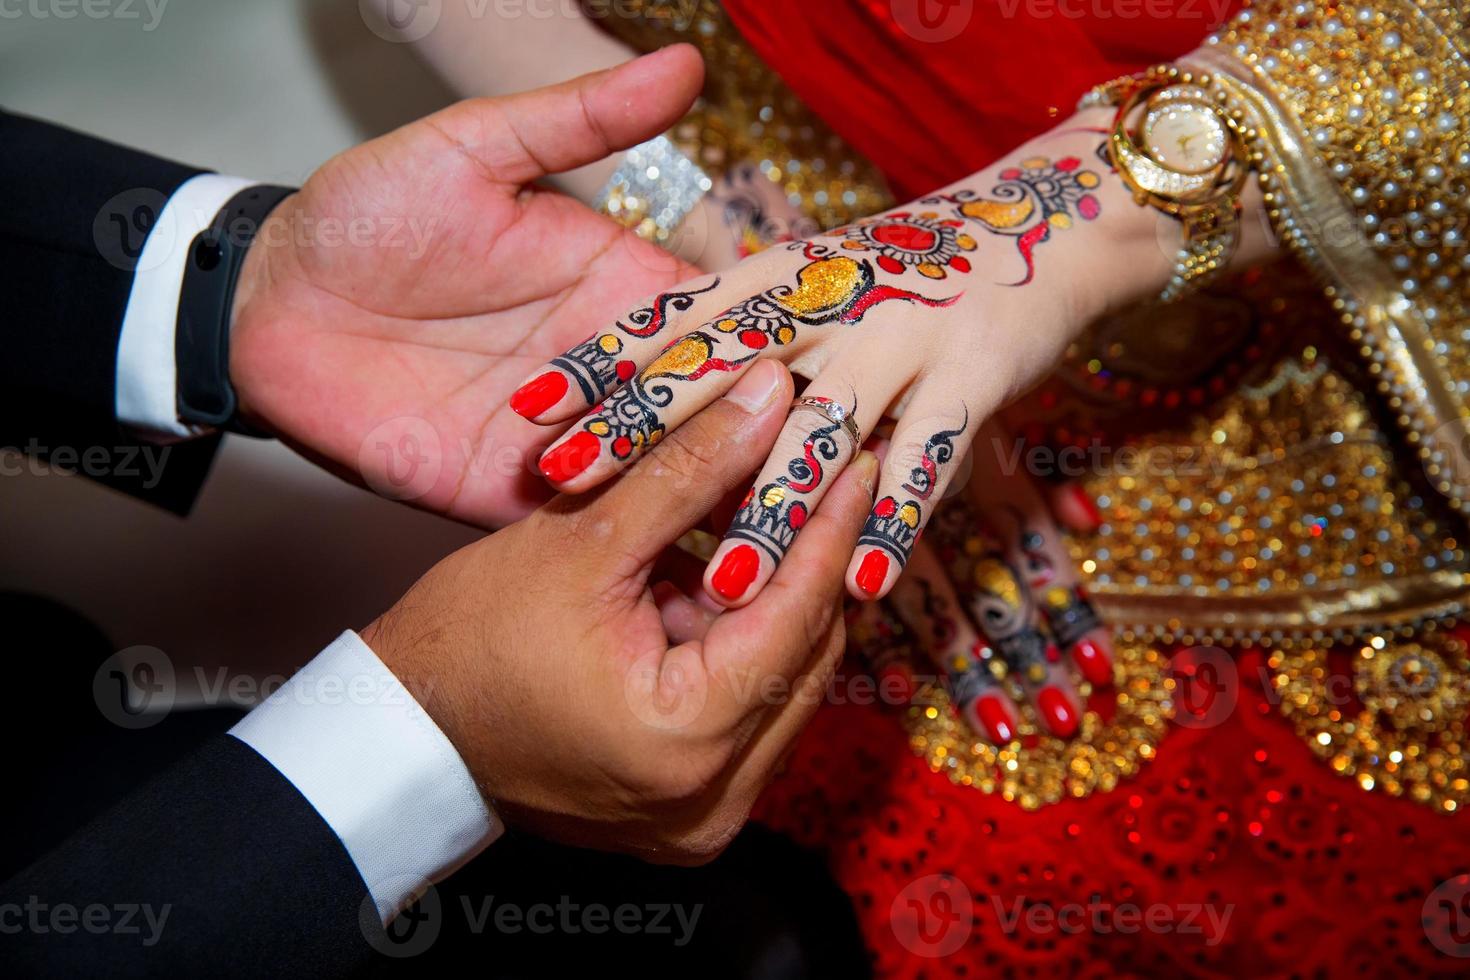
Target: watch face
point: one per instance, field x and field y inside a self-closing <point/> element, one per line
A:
<point x="1185" y="136"/>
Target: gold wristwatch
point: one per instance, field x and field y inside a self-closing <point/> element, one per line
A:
<point x="1178" y="148"/>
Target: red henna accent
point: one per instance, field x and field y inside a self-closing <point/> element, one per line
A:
<point x="881" y="294"/>
<point x="625" y="370"/>
<point x="1025" y="245"/>
<point x="911" y="238"/>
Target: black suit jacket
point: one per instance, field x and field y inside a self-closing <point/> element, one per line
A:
<point x="254" y="880"/>
<point x="74" y="212"/>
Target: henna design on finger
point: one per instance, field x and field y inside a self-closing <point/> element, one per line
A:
<point x="1067" y="611"/>
<point x="1069" y="614"/>
<point x="595" y="365"/>
<point x="773" y="517"/>
<point x="630" y="418"/>
<point x="893" y="526"/>
<point x="1033" y="198"/>
<point x="1007" y="614"/>
<point x="938" y="450"/>
<point x="649" y="320"/>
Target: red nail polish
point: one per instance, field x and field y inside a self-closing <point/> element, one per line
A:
<point x="995" y="719"/>
<point x="1093" y="661"/>
<point x="737" y="570"/>
<point x="536" y="396"/>
<point x="1087" y="507"/>
<point x="1057" y="711"/>
<point x="873" y="572"/>
<point x="570" y="458"/>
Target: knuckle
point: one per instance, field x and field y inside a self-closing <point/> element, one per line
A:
<point x="691" y="453"/>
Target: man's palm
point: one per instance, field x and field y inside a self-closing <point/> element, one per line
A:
<point x="390" y="308"/>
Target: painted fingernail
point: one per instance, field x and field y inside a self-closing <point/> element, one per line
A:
<point x="539" y="394"/>
<point x="1086" y="507"/>
<point x="756" y="387"/>
<point x="995" y="719"/>
<point x="1094" y="662"/>
<point x="737" y="570"/>
<point x="1057" y="712"/>
<point x="570" y="458"/>
<point x="873" y="572"/>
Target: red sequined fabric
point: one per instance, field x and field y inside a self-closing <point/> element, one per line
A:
<point x="1237" y="852"/>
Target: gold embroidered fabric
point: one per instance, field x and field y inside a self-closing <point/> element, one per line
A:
<point x="1364" y="109"/>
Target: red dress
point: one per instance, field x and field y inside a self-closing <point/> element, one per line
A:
<point x="1237" y="850"/>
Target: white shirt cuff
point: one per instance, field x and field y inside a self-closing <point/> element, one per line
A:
<point x="147" y="376"/>
<point x="350" y="737"/>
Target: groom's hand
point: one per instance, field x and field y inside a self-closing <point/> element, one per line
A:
<point x="583" y="712"/>
<point x="387" y="310"/>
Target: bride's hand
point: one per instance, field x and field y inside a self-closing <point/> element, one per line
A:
<point x="948" y="307"/>
<point x="992" y="594"/>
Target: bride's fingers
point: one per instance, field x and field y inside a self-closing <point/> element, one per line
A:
<point x="930" y="439"/>
<point x="821" y="436"/>
<point x="1004" y="610"/>
<point x="926" y="601"/>
<point x="1014" y="507"/>
<point x="586" y="374"/>
<point x="830" y="290"/>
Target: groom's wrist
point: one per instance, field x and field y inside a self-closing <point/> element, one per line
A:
<point x="259" y="279"/>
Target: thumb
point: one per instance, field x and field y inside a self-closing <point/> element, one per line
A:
<point x="524" y="137"/>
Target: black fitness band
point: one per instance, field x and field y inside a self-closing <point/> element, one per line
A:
<point x="206" y="300"/>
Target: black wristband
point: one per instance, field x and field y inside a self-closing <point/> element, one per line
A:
<point x="206" y="299"/>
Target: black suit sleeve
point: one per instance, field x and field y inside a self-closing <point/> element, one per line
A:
<point x="240" y="875"/>
<point x="74" y="212"/>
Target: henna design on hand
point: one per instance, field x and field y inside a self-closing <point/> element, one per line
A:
<point x="1033" y="198"/>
